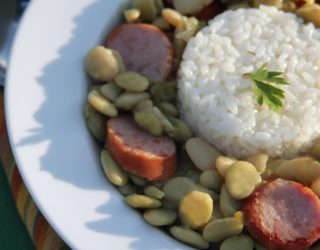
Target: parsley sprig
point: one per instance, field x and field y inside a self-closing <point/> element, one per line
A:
<point x="264" y="89"/>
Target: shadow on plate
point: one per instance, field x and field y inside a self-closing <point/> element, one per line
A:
<point x="59" y="83"/>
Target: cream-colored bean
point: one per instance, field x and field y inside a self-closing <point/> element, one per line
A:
<point x="132" y="15"/>
<point x="119" y="59"/>
<point x="241" y="5"/>
<point x="195" y="209"/>
<point x="189" y="237"/>
<point x="190" y="7"/>
<point x="303" y="169"/>
<point x="101" y="104"/>
<point x="132" y="81"/>
<point x="147" y="120"/>
<point x="241" y="179"/>
<point x="259" y="160"/>
<point x="289" y="6"/>
<point x="221" y="229"/>
<point x="112" y="170"/>
<point x="147" y="8"/>
<point x="201" y="153"/>
<point x="110" y="91"/>
<point x="315" y="186"/>
<point x="127" y="100"/>
<point x="127" y="189"/>
<point x="168" y="109"/>
<point x="165" y="123"/>
<point x="228" y="205"/>
<point x="160" y="217"/>
<point x="180" y="132"/>
<point x="101" y="64"/>
<point x="310" y="13"/>
<point x="172" y="17"/>
<point x="211" y="179"/>
<point x="176" y="188"/>
<point x="96" y="123"/>
<point x="139" y="181"/>
<point x="154" y="192"/>
<point x="142" y="201"/>
<point x="223" y="163"/>
<point x="161" y="24"/>
<point x="243" y="242"/>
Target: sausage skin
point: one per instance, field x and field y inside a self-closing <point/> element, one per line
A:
<point x="283" y="215"/>
<point x="144" y="49"/>
<point x="140" y="153"/>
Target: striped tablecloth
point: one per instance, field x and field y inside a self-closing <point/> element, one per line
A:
<point x="42" y="234"/>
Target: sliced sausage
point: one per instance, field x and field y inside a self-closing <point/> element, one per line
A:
<point x="138" y="152"/>
<point x="144" y="49"/>
<point x="283" y="214"/>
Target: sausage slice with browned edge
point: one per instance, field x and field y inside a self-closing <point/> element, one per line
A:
<point x="138" y="152"/>
<point x="144" y="49"/>
<point x="283" y="215"/>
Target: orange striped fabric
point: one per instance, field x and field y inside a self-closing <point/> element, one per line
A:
<point x="39" y="230"/>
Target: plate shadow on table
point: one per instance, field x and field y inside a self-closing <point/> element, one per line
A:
<point x="58" y="85"/>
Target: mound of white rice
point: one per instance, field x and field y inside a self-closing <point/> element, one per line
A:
<point x="217" y="100"/>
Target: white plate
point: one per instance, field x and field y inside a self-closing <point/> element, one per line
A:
<point x="45" y="94"/>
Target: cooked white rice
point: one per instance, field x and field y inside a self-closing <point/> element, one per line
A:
<point x="217" y="101"/>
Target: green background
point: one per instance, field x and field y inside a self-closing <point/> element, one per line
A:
<point x="13" y="234"/>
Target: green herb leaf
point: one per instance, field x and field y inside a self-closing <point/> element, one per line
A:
<point x="264" y="89"/>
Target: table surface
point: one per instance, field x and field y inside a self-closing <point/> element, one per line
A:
<point x="13" y="234"/>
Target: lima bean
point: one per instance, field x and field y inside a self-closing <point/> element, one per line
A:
<point x="165" y="123"/>
<point x="132" y="81"/>
<point x="223" y="163"/>
<point x="111" y="91"/>
<point x="195" y="209"/>
<point x="168" y="109"/>
<point x="139" y="181"/>
<point x="172" y="17"/>
<point x="190" y="7"/>
<point x="113" y="172"/>
<point x="259" y="160"/>
<point x="147" y="120"/>
<point x="119" y="59"/>
<point x="154" y="192"/>
<point x="147" y="8"/>
<point x="243" y="242"/>
<point x="101" y="104"/>
<point x="211" y="179"/>
<point x="95" y="122"/>
<point x="164" y="91"/>
<point x="127" y="189"/>
<point x="160" y="217"/>
<point x="142" y="201"/>
<point x="132" y="15"/>
<point x="201" y="153"/>
<point x="127" y="100"/>
<point x="189" y="236"/>
<point x="221" y="229"/>
<point x="101" y="64"/>
<point x="303" y="169"/>
<point x="228" y="205"/>
<point x="143" y="105"/>
<point x="176" y="188"/>
<point x="241" y="179"/>
<point x="180" y="132"/>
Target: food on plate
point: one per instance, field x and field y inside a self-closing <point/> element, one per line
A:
<point x="272" y="214"/>
<point x="139" y="152"/>
<point x="144" y="48"/>
<point x="210" y="129"/>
